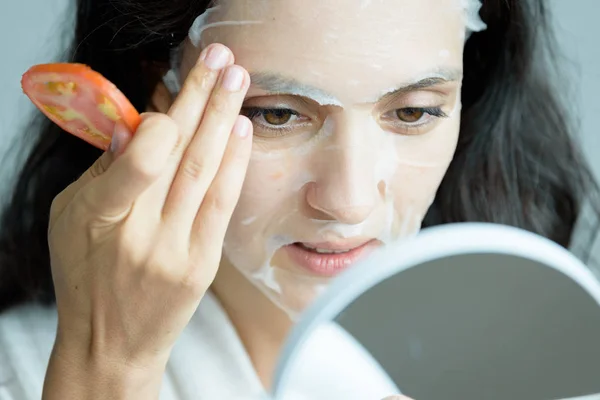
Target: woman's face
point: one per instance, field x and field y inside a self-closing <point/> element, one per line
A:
<point x="356" y="112"/>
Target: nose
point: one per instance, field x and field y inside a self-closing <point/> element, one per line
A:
<point x="345" y="189"/>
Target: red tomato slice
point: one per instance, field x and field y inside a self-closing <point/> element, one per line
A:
<point x="79" y="100"/>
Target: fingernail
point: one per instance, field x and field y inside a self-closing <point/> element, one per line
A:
<point x="241" y="128"/>
<point x="217" y="57"/>
<point x="233" y="79"/>
<point x="117" y="138"/>
<point x="204" y="53"/>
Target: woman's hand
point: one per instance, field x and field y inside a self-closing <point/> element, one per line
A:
<point x="136" y="241"/>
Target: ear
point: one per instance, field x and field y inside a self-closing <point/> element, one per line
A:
<point x="161" y="99"/>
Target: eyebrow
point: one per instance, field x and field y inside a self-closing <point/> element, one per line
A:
<point x="280" y="84"/>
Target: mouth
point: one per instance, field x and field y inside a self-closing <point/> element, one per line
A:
<point x="329" y="259"/>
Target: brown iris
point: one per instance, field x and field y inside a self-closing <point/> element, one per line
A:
<point x="410" y="114"/>
<point x="277" y="117"/>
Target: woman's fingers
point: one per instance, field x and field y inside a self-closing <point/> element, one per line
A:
<point x="139" y="165"/>
<point x="204" y="155"/>
<point x="188" y="108"/>
<point x="121" y="137"/>
<point x="212" y="219"/>
<point x="187" y="111"/>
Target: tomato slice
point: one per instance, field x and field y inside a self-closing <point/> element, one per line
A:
<point x="80" y="100"/>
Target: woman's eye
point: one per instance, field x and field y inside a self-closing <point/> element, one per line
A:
<point x="412" y="120"/>
<point x="416" y="115"/>
<point x="410" y="115"/>
<point x="275" y="122"/>
<point x="270" y="122"/>
<point x="277" y="117"/>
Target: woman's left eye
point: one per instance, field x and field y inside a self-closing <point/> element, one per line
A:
<point x="416" y="115"/>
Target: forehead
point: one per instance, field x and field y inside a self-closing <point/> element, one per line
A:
<point x="366" y="44"/>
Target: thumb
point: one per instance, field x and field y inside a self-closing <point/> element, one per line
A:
<point x="397" y="397"/>
<point x="120" y="138"/>
<point x="132" y="169"/>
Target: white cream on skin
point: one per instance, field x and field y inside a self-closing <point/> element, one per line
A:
<point x="348" y="168"/>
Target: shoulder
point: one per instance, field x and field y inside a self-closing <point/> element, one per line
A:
<point x="27" y="335"/>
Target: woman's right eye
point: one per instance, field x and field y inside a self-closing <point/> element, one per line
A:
<point x="278" y="117"/>
<point x="274" y="121"/>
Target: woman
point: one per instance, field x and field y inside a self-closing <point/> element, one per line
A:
<point x="368" y="121"/>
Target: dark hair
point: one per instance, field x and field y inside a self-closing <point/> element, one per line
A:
<point x="516" y="162"/>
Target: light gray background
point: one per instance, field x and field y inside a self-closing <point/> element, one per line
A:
<point x="31" y="31"/>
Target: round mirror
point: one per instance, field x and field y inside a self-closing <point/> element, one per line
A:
<point x="465" y="311"/>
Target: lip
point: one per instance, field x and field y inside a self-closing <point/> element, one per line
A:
<point x="329" y="265"/>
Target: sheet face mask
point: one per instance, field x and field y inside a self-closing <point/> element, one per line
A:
<point x="356" y="113"/>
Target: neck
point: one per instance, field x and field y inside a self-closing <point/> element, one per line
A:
<point x="261" y="325"/>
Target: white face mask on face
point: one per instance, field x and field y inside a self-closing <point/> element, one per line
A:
<point x="356" y="112"/>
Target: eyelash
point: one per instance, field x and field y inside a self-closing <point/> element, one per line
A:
<point x="431" y="111"/>
<point x="430" y="115"/>
<point x="254" y="112"/>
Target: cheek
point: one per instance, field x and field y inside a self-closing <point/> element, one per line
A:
<point x="413" y="188"/>
<point x="271" y="195"/>
<point x="268" y="207"/>
<point x="421" y="168"/>
<point x="432" y="149"/>
<point x="268" y="184"/>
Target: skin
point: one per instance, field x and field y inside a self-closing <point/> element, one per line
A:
<point x="136" y="242"/>
<point x="341" y="187"/>
<point x="334" y="179"/>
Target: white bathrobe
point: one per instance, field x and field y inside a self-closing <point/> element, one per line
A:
<point x="208" y="361"/>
